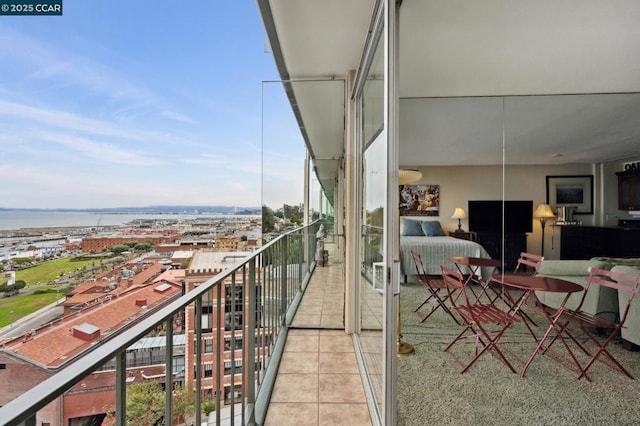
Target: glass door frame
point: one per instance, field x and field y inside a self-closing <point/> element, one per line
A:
<point x="384" y="30"/>
<point x="392" y="215"/>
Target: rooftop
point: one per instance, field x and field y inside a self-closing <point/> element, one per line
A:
<point x="215" y="260"/>
<point x="55" y="345"/>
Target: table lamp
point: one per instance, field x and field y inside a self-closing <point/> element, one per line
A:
<point x="543" y="212"/>
<point x="459" y="214"/>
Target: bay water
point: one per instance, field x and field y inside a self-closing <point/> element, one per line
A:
<point x="15" y="220"/>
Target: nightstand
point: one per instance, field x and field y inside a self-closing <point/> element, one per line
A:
<point x="471" y="236"/>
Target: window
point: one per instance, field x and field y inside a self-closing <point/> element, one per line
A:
<point x="207" y="318"/>
<point x="207" y="347"/>
<point x="237" y="368"/>
<point x="234" y="299"/>
<point x="208" y="369"/>
<point x="178" y="364"/>
<point x="227" y="343"/>
<point x="259" y="306"/>
<point x="233" y="321"/>
<point x="264" y="340"/>
<point x="228" y="394"/>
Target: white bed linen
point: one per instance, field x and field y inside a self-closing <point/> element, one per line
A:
<point x="435" y="251"/>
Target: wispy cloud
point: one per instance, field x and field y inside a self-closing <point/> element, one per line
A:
<point x="52" y="66"/>
<point x="74" y="123"/>
<point x="104" y="152"/>
<point x="177" y="117"/>
<point x="61" y="119"/>
<point x="90" y="116"/>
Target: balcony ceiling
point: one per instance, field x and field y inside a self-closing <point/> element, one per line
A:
<point x="561" y="76"/>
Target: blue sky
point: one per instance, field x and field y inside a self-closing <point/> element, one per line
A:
<point x="135" y="103"/>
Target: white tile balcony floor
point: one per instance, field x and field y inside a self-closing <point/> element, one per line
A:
<point x="318" y="382"/>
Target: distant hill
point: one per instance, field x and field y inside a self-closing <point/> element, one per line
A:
<point x="156" y="210"/>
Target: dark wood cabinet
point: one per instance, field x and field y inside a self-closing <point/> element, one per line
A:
<point x="629" y="190"/>
<point x="471" y="236"/>
<point x="514" y="244"/>
<point x="585" y="242"/>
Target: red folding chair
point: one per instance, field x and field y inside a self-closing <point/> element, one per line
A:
<point x="478" y="319"/>
<point x="588" y="323"/>
<point x="528" y="260"/>
<point x="436" y="288"/>
<point x="525" y="261"/>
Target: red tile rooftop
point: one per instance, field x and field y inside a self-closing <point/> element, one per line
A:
<point x="55" y="345"/>
<point x="78" y="299"/>
<point x="172" y="275"/>
<point x="94" y="294"/>
<point x="85" y="287"/>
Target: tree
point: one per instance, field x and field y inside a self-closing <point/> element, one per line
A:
<point x="21" y="260"/>
<point x="142" y="247"/>
<point x="296" y="219"/>
<point x="119" y="248"/>
<point x="145" y="405"/>
<point x="268" y="220"/>
<point x="375" y="217"/>
<point x="184" y="401"/>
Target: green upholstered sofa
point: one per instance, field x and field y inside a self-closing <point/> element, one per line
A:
<point x="600" y="301"/>
<point x="631" y="328"/>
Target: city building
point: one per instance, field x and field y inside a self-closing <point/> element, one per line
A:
<point x="40" y="353"/>
<point x="204" y="266"/>
<point x="98" y="243"/>
<point x="227" y="243"/>
<point x="110" y="284"/>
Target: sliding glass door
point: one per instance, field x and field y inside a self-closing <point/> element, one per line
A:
<point x="377" y="277"/>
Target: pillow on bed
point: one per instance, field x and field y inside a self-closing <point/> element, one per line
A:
<point x="432" y="228"/>
<point x="410" y="228"/>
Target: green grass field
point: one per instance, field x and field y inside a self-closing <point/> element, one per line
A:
<point x="49" y="271"/>
<point x="36" y="278"/>
<point x="24" y="304"/>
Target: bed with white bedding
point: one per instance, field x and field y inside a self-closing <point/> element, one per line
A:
<point x="435" y="251"/>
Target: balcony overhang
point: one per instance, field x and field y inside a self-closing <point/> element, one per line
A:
<point x="545" y="56"/>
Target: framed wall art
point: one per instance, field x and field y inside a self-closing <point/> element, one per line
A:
<point x="576" y="191"/>
<point x="419" y="200"/>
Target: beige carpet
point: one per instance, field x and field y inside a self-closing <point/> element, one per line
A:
<point x="431" y="390"/>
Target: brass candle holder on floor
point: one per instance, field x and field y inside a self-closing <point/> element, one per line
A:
<point x="403" y="348"/>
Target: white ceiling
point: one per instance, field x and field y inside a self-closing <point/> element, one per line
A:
<point x="518" y="47"/>
<point x="464" y="56"/>
<point x="537" y="129"/>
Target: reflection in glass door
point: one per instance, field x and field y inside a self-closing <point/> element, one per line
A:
<point x="372" y="196"/>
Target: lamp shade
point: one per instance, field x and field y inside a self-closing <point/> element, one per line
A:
<point x="459" y="213"/>
<point x="543" y="211"/>
<point x="407" y="176"/>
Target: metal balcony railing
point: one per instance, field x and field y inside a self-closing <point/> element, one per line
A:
<point x="372" y="239"/>
<point x="273" y="280"/>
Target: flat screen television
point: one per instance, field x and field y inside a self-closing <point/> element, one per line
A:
<point x="485" y="216"/>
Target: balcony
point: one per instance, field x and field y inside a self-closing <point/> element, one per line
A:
<point x="302" y="364"/>
<point x="318" y="381"/>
